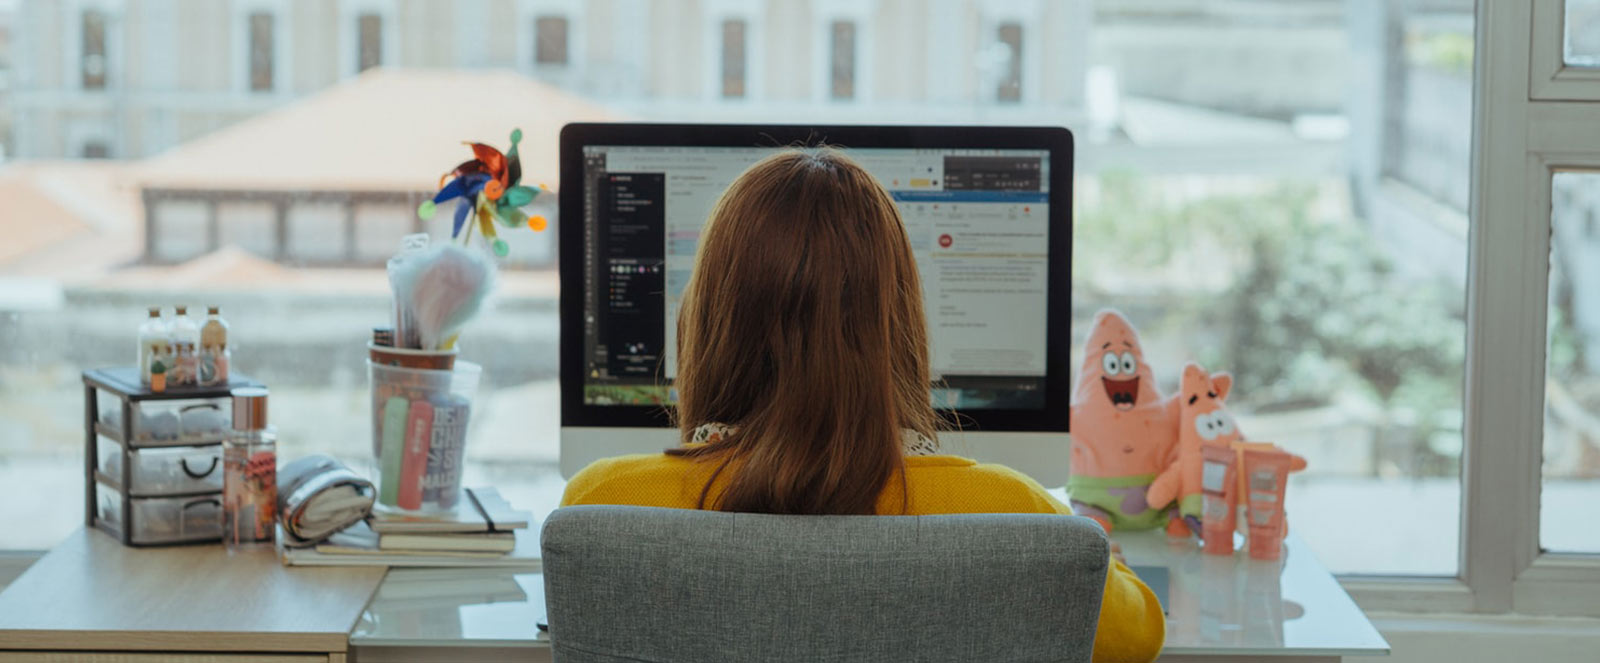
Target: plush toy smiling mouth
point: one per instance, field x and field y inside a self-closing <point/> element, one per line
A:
<point x="1122" y="393"/>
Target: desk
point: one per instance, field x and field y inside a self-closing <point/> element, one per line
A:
<point x="1229" y="608"/>
<point x="1235" y="607"/>
<point x="92" y="599"/>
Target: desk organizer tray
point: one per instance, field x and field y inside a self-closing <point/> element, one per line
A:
<point x="161" y="482"/>
<point x="158" y="520"/>
<point x="159" y="471"/>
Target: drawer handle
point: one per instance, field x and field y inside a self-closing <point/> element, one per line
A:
<point x="184" y="463"/>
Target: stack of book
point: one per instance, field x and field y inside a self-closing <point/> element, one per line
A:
<point x="484" y="532"/>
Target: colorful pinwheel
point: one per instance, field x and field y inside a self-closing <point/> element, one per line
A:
<point x="489" y="190"/>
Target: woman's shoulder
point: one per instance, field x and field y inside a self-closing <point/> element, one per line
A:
<point x="953" y="484"/>
<point x="611" y="480"/>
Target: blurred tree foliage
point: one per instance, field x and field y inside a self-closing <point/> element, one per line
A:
<point x="1312" y="307"/>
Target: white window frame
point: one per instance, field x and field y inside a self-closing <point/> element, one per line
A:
<point x="282" y="46"/>
<point x="825" y="12"/>
<point x="754" y="15"/>
<point x="1551" y="78"/>
<point x="350" y="12"/>
<point x="1525" y="128"/>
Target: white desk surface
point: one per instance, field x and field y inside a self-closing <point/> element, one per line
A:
<point x="1219" y="607"/>
<point x="1236" y="606"/>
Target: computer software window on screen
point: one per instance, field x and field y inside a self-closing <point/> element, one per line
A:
<point x="978" y="223"/>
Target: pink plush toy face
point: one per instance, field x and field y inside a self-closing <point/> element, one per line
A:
<point x="1114" y="367"/>
<point x="1121" y="425"/>
<point x="1201" y="403"/>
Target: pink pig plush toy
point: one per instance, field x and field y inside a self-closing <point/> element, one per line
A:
<point x="1123" y="430"/>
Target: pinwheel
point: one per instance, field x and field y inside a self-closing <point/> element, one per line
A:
<point x="488" y="190"/>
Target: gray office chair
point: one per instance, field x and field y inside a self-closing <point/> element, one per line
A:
<point x="631" y="584"/>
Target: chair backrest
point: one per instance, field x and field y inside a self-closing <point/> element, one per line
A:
<point x="665" y="585"/>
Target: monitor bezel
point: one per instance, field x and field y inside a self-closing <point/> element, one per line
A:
<point x="1053" y="417"/>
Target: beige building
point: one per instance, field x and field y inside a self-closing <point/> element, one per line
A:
<point x="131" y="78"/>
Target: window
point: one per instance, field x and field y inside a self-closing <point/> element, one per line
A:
<point x="369" y="39"/>
<point x="1009" y="86"/>
<point x="262" y="51"/>
<point x="842" y="60"/>
<point x="1572" y="387"/>
<point x="1582" y="33"/>
<point x="733" y="59"/>
<point x="1256" y="177"/>
<point x="93" y="57"/>
<point x="550" y="40"/>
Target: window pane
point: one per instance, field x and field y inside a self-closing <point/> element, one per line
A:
<point x="1009" y="87"/>
<point x="1259" y="180"/>
<point x="261" y="52"/>
<point x="93" y="58"/>
<point x="1572" y="380"/>
<point x="369" y="41"/>
<point x="733" y="59"/>
<point x="842" y="71"/>
<point x="1582" y="36"/>
<point x="550" y="39"/>
<point x="1249" y="174"/>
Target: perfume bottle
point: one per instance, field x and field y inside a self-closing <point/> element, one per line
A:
<point x="250" y="474"/>
<point x="153" y="343"/>
<point x="185" y="365"/>
<point x="214" y="352"/>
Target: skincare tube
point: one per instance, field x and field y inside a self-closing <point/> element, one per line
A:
<point x="1267" y="474"/>
<point x="1218" y="465"/>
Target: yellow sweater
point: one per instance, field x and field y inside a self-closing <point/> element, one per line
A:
<point x="1132" y="627"/>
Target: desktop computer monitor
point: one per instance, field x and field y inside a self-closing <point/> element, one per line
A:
<point x="989" y="214"/>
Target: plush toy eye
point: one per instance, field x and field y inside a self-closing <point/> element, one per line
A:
<point x="1224" y="423"/>
<point x="1110" y="363"/>
<point x="1129" y="363"/>
<point x="1204" y="427"/>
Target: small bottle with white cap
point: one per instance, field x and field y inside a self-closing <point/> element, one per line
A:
<point x="250" y="474"/>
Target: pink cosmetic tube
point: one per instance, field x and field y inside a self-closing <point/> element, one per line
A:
<point x="1218" y="464"/>
<point x="1266" y="476"/>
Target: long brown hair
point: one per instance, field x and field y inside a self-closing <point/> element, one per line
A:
<point x="802" y="326"/>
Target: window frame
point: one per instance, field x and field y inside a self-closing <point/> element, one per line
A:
<point x="1525" y="128"/>
<point x="1551" y="78"/>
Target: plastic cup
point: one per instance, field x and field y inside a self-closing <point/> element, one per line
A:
<point x="419" y="433"/>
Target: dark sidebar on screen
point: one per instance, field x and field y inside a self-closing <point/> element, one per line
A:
<point x="631" y="251"/>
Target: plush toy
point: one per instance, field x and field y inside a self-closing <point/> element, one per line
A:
<point x="1201" y="420"/>
<point x="1123" y="429"/>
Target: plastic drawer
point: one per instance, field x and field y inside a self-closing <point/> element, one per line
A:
<point x="164" y="423"/>
<point x="162" y="519"/>
<point x="164" y="470"/>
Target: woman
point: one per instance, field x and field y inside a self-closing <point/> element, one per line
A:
<point x="803" y="378"/>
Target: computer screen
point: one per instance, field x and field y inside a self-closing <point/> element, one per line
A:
<point x="979" y="224"/>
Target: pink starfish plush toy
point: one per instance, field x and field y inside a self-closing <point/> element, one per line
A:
<point x="1123" y="429"/>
